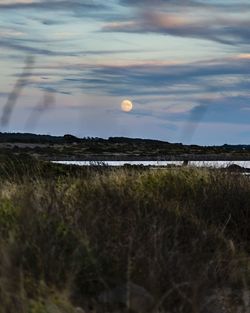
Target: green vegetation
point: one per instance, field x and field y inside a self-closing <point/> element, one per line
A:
<point x="68" y="234"/>
<point x="69" y="147"/>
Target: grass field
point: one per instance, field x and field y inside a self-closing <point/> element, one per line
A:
<point x="68" y="235"/>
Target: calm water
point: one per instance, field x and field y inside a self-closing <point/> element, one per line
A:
<point x="217" y="164"/>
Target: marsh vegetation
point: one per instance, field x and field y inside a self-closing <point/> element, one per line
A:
<point x="68" y="235"/>
<point x="69" y="147"/>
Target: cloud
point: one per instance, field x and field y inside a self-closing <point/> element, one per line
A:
<point x="50" y="5"/>
<point x="76" y="8"/>
<point x="211" y="76"/>
<point x="11" y="44"/>
<point x="154" y="3"/>
<point x="18" y="41"/>
<point x="164" y="89"/>
<point x="21" y="32"/>
<point x="193" y="4"/>
<point x="244" y="56"/>
<point x="4" y="94"/>
<point x="224" y="30"/>
<point x="237" y="109"/>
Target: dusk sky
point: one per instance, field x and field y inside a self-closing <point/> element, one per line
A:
<point x="185" y="65"/>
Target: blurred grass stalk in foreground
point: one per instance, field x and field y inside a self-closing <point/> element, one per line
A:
<point x="177" y="237"/>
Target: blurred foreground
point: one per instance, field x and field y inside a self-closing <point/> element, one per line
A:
<point x="122" y="240"/>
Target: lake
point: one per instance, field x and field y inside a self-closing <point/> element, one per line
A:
<point x="215" y="164"/>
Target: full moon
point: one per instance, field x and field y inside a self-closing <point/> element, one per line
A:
<point x="126" y="105"/>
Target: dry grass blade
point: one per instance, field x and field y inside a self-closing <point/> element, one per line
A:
<point x="15" y="93"/>
<point x="47" y="102"/>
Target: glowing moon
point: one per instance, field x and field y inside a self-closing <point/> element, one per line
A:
<point x="126" y="105"/>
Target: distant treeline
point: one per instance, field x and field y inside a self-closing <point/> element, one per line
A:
<point x="48" y="139"/>
<point x="69" y="147"/>
<point x="35" y="138"/>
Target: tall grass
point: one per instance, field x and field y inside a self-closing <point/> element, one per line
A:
<point x="182" y="234"/>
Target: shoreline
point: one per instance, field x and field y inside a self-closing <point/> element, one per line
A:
<point x="120" y="157"/>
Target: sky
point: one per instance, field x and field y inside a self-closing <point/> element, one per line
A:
<point x="66" y="66"/>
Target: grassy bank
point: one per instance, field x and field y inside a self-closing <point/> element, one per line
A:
<point x="67" y="236"/>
